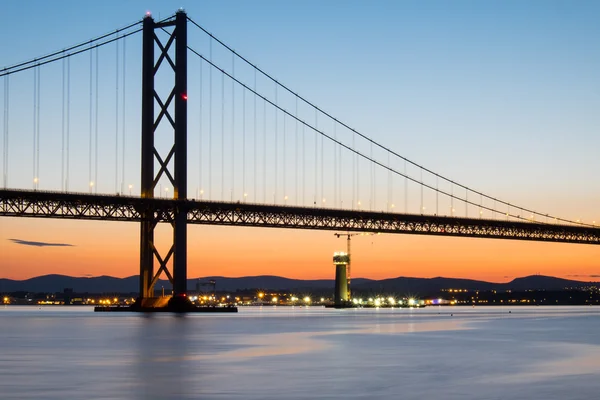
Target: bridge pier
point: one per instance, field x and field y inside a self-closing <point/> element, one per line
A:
<point x="340" y="295"/>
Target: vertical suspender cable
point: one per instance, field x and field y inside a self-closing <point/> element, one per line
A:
<point x="200" y="189"/>
<point x="37" y="155"/>
<point x="117" y="119"/>
<point x="233" y="125"/>
<point x="96" y="129"/>
<point x="353" y="155"/>
<point x="373" y="182"/>
<point x="276" y="145"/>
<point x="255" y="158"/>
<point x="452" y="200"/>
<point x="481" y="206"/>
<point x="303" y="165"/>
<point x="222" y="137"/>
<point x="244" y="194"/>
<point x="210" y="85"/>
<point x="437" y="195"/>
<point x="335" y="166"/>
<point x="34" y="125"/>
<point x="322" y="173"/>
<point x="316" y="164"/>
<point x="390" y="187"/>
<point x="296" y="156"/>
<point x="284" y="158"/>
<point x="264" y="151"/>
<point x="123" y="120"/>
<point x="90" y="182"/>
<point x="422" y="209"/>
<point x="68" y="168"/>
<point x="62" y="149"/>
<point x="358" y="203"/>
<point x="405" y="190"/>
<point x="372" y="191"/>
<point x="340" y="176"/>
<point x="6" y="112"/>
<point x="495" y="210"/>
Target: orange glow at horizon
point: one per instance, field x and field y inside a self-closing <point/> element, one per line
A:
<point x="111" y="248"/>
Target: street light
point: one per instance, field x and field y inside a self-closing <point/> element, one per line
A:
<point x="130" y="186"/>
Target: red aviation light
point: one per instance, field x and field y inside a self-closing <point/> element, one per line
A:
<point x="184" y="96"/>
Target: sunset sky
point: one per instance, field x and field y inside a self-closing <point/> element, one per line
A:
<point x="501" y="96"/>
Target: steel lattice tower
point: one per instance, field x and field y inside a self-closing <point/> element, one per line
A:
<point x="178" y="177"/>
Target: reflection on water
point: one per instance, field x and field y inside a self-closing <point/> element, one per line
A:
<point x="301" y="353"/>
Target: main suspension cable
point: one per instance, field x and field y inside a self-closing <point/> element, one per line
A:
<point x="36" y="63"/>
<point x="439" y="176"/>
<point x="360" y="155"/>
<point x="87" y="43"/>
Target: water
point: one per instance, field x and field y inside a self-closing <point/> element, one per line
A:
<point x="302" y="353"/>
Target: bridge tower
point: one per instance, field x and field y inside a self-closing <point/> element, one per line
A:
<point x="151" y="100"/>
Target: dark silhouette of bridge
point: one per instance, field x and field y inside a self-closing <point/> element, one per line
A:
<point x="170" y="112"/>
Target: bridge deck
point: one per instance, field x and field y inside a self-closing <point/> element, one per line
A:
<point x="25" y="203"/>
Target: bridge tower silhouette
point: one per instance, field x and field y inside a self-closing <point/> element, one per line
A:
<point x="178" y="176"/>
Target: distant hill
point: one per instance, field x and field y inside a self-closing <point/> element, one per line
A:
<point x="109" y="284"/>
<point x="433" y="285"/>
<point x="403" y="285"/>
<point x="537" y="282"/>
<point x="424" y="285"/>
<point x="56" y="283"/>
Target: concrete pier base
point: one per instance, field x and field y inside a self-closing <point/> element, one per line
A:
<point x="178" y="304"/>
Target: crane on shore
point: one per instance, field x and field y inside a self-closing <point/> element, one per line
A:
<point x="348" y="237"/>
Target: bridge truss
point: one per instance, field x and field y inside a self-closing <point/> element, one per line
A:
<point x="23" y="203"/>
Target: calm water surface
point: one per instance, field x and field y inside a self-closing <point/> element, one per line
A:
<point x="302" y="353"/>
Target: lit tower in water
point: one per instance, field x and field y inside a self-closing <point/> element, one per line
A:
<point x="340" y="261"/>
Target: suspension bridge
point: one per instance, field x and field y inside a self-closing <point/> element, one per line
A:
<point x="260" y="154"/>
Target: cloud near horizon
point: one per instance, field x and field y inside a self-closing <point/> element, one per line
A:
<point x="40" y="244"/>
